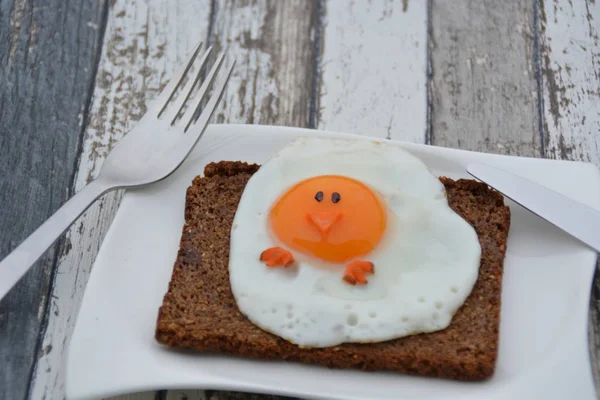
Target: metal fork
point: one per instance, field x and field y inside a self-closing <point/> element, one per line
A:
<point x="151" y="151"/>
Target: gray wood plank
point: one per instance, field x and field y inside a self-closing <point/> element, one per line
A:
<point x="48" y="53"/>
<point x="274" y="47"/>
<point x="483" y="90"/>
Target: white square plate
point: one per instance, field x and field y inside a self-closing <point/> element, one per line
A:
<point x="545" y="298"/>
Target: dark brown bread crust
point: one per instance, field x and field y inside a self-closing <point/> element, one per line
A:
<point x="199" y="310"/>
<point x="229" y="168"/>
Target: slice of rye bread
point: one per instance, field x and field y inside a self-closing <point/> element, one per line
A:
<point x="200" y="312"/>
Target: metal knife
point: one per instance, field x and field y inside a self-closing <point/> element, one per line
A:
<point x="577" y="219"/>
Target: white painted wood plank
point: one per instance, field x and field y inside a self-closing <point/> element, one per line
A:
<point x="570" y="58"/>
<point x="374" y="68"/>
<point x="570" y="66"/>
<point x="145" y="41"/>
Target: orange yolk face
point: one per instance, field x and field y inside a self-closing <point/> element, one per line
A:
<point x="332" y="217"/>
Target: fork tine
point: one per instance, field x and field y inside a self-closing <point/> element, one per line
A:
<point x="191" y="111"/>
<point x="167" y="93"/>
<point x="183" y="97"/>
<point x="208" y="111"/>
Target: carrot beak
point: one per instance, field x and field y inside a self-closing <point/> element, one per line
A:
<point x="324" y="220"/>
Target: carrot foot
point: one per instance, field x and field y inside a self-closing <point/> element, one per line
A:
<point x="356" y="270"/>
<point x="277" y="257"/>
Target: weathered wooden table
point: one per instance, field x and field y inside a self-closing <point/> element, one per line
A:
<point x="517" y="77"/>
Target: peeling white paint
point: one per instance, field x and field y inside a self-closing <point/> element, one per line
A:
<point x="374" y="68"/>
<point x="481" y="60"/>
<point x="272" y="79"/>
<point x="571" y="62"/>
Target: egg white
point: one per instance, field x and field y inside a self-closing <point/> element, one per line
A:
<point x="425" y="266"/>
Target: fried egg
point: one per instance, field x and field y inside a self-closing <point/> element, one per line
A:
<point x="349" y="240"/>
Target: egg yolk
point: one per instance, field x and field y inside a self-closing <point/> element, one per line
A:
<point x="331" y="217"/>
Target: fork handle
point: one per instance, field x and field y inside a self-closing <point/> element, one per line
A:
<point x="14" y="266"/>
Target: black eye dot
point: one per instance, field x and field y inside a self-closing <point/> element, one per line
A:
<point x="319" y="196"/>
<point x="335" y="197"/>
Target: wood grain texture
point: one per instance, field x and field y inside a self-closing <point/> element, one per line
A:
<point x="48" y="51"/>
<point x="145" y="41"/>
<point x="273" y="45"/>
<point x="373" y="69"/>
<point x="483" y="90"/>
<point x="569" y="64"/>
<point x="570" y="72"/>
<point x="331" y="64"/>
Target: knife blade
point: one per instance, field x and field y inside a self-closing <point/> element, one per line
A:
<point x="577" y="219"/>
